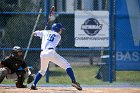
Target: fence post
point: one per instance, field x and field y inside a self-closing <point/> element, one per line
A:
<point x="47" y="14"/>
<point x="110" y="39"/>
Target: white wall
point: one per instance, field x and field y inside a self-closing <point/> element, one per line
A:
<point x="70" y="6"/>
<point x="87" y="4"/>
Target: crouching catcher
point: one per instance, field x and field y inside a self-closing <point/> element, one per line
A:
<point x="15" y="66"/>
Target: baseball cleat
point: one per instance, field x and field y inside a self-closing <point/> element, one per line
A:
<point x="22" y="86"/>
<point x="33" y="87"/>
<point x="76" y="85"/>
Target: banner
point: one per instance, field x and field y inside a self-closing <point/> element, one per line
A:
<point x="127" y="35"/>
<point x="91" y="28"/>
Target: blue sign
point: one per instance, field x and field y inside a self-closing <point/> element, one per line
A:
<point x="128" y="35"/>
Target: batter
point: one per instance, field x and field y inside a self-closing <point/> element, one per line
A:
<point x="50" y="39"/>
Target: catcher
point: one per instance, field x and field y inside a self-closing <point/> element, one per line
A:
<point x="14" y="65"/>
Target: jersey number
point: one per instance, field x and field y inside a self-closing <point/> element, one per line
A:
<point x="51" y="37"/>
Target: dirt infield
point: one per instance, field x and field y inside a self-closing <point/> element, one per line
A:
<point x="4" y="89"/>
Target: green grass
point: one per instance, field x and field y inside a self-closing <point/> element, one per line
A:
<point x="85" y="75"/>
<point x="128" y="76"/>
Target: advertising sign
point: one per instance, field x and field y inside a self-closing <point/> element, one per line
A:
<point x="91" y="28"/>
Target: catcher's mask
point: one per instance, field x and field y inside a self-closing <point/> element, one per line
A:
<point x="16" y="50"/>
<point x="57" y="26"/>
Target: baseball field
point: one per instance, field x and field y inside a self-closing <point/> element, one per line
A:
<point x="69" y="89"/>
<point x="60" y="83"/>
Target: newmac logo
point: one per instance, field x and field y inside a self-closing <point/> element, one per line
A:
<point x="91" y="26"/>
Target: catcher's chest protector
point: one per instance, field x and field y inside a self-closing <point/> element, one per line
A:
<point x="13" y="63"/>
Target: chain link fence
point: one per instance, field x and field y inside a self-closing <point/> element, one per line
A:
<point x="18" y="19"/>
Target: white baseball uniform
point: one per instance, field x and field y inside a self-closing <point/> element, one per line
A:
<point x="50" y="39"/>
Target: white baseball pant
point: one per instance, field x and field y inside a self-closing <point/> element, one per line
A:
<point x="50" y="55"/>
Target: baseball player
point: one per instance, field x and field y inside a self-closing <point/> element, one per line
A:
<point x="50" y="39"/>
<point x="15" y="64"/>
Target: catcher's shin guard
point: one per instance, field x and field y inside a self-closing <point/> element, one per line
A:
<point x="3" y="73"/>
<point x="19" y="83"/>
<point x="20" y="79"/>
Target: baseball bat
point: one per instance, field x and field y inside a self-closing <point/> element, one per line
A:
<point x="31" y="37"/>
<point x="50" y="14"/>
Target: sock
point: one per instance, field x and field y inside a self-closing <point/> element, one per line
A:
<point x="37" y="78"/>
<point x="71" y="74"/>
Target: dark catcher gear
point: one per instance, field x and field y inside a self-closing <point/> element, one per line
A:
<point x="13" y="63"/>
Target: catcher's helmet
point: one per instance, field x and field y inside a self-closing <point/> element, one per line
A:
<point x="57" y="26"/>
<point x="16" y="49"/>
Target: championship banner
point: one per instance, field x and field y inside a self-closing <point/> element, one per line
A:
<point x="91" y="28"/>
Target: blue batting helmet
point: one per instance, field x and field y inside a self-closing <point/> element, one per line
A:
<point x="57" y="26"/>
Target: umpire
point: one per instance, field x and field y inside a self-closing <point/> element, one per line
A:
<point x="11" y="65"/>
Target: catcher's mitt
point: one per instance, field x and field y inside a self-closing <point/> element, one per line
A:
<point x="3" y="73"/>
<point x="30" y="78"/>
